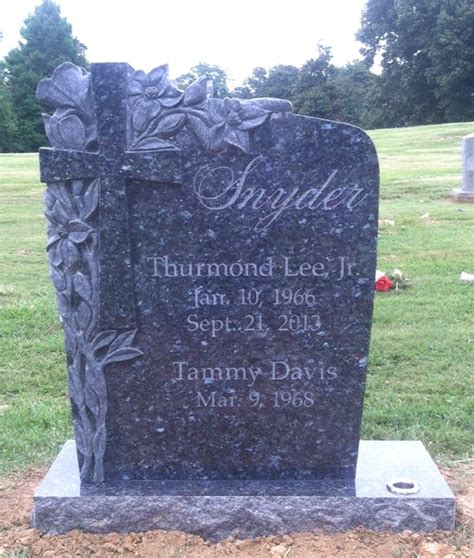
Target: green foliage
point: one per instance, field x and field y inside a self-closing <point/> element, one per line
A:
<point x="314" y="93"/>
<point x="351" y="89"/>
<point x="427" y="56"/>
<point x="48" y="42"/>
<point x="318" y="88"/>
<point x="212" y="72"/>
<point x="8" y="128"/>
<point x="279" y="82"/>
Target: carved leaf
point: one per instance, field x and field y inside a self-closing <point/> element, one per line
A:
<point x="52" y="131"/>
<point x="141" y="78"/>
<point x="76" y="390"/>
<point x="121" y="355"/>
<point x="81" y="438"/>
<point x="49" y="197"/>
<point x="103" y="339"/>
<point x="78" y="231"/>
<point x="98" y="442"/>
<point x="91" y="199"/>
<point x="54" y="254"/>
<point x="169" y="125"/>
<point x="196" y="93"/>
<point x="141" y="116"/>
<point x="216" y="111"/>
<point x="134" y="88"/>
<point x="200" y="129"/>
<point x="58" y="279"/>
<point x="158" y="75"/>
<point x="153" y="143"/>
<point x="252" y="116"/>
<point x="51" y="218"/>
<point x="270" y="104"/>
<point x="83" y="316"/>
<point x="64" y="304"/>
<point x="92" y="400"/>
<point x="69" y="253"/>
<point x="253" y="123"/>
<point x="72" y="132"/>
<point x="82" y="287"/>
<point x="61" y="193"/>
<point x="53" y="239"/>
<point x="71" y="341"/>
<point x="60" y="213"/>
<point x="171" y="99"/>
<point x="238" y="138"/>
<point x="123" y="340"/>
<point x="216" y="137"/>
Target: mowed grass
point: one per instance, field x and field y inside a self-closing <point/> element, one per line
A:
<point x="420" y="381"/>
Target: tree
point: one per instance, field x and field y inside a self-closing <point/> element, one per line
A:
<point x="7" y="118"/>
<point x="314" y="95"/>
<point x="427" y="55"/>
<point x="452" y="58"/>
<point x="352" y="86"/>
<point x="212" y="72"/>
<point x="48" y="42"/>
<point x="279" y="82"/>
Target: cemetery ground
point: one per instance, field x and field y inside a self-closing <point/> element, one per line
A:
<point x="420" y="370"/>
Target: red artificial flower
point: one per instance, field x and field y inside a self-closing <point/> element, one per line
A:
<point x="383" y="284"/>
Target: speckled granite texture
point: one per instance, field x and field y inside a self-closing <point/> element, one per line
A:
<point x="216" y="510"/>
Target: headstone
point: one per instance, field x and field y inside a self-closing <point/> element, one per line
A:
<point x="213" y="261"/>
<point x="466" y="193"/>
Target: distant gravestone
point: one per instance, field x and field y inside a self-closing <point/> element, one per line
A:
<point x="466" y="193"/>
<point x="214" y="264"/>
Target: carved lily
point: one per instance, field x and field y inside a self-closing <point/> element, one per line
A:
<point x="65" y="235"/>
<point x="148" y="93"/>
<point x="69" y="86"/>
<point x="65" y="130"/>
<point x="72" y="126"/>
<point x="233" y="119"/>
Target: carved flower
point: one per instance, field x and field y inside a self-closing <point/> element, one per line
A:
<point x="149" y="93"/>
<point x="72" y="126"/>
<point x="65" y="130"/>
<point x="65" y="235"/>
<point x="234" y="118"/>
<point x="69" y="86"/>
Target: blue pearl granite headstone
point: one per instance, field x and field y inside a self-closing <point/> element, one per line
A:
<point x="214" y="264"/>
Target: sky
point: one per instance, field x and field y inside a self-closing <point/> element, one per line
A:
<point x="237" y="36"/>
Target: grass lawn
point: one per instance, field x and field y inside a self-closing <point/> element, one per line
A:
<point x="420" y="382"/>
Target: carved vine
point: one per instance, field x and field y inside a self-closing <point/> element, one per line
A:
<point x="73" y="123"/>
<point x="158" y="111"/>
<point x="72" y="244"/>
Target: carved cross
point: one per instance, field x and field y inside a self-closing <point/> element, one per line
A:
<point x="94" y="281"/>
<point x="114" y="166"/>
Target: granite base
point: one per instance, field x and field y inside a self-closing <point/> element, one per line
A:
<point x="216" y="510"/>
<point x="462" y="196"/>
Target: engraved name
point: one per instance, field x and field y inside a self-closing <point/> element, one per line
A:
<point x="218" y="188"/>
<point x="276" y="370"/>
<point x="285" y="266"/>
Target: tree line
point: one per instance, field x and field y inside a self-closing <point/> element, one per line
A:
<point x="417" y="68"/>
